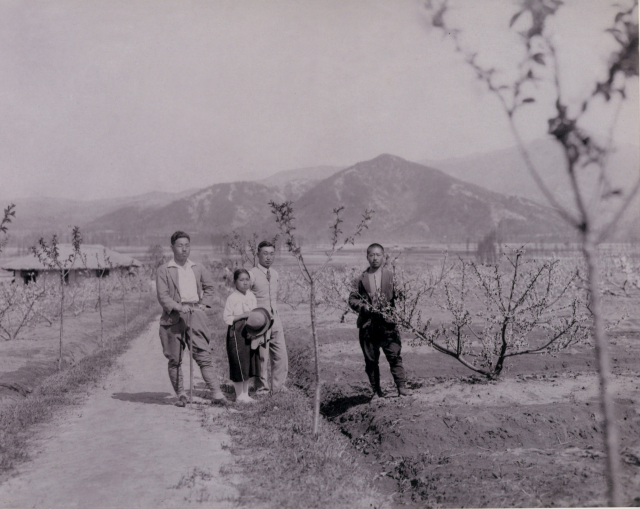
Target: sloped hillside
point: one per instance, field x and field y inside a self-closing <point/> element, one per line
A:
<point x="412" y="203"/>
<point x="294" y="183"/>
<point x="504" y="171"/>
<point x="416" y="203"/>
<point x="220" y="208"/>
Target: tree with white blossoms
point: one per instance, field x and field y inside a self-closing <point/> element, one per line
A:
<point x="528" y="307"/>
<point x="538" y="75"/>
<point x="18" y="307"/>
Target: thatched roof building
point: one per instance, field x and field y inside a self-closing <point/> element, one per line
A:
<point x="96" y="260"/>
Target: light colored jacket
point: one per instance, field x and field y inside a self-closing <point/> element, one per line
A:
<point x="266" y="292"/>
<point x="169" y="291"/>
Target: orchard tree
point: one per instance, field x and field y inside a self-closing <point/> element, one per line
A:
<point x="528" y="307"/>
<point x="7" y="216"/>
<point x="156" y="257"/>
<point x="283" y="213"/>
<point x="246" y="247"/>
<point x="49" y="256"/>
<point x="18" y="307"/>
<point x="522" y="87"/>
<point x="100" y="273"/>
<point x="123" y="282"/>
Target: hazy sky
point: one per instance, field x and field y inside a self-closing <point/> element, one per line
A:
<point x="112" y="98"/>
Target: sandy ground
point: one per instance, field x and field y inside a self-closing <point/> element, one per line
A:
<point x="127" y="445"/>
<point x="534" y="438"/>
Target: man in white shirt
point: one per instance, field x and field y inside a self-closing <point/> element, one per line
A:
<point x="264" y="284"/>
<point x="185" y="289"/>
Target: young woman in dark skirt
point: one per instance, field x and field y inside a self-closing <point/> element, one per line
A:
<point x="243" y="361"/>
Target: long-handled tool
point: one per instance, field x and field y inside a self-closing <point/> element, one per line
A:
<point x="188" y="334"/>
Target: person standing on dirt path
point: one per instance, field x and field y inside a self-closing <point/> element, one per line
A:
<point x="264" y="284"/>
<point x="375" y="286"/>
<point x="185" y="289"/>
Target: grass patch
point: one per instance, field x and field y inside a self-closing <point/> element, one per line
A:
<point x="61" y="390"/>
<point x="282" y="465"/>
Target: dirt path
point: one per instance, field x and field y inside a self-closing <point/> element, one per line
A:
<point x="126" y="446"/>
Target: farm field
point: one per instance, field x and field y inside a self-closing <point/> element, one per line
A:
<point x="531" y="439"/>
<point x="26" y="361"/>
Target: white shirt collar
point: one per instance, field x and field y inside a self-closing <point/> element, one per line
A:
<point x="187" y="265"/>
<point x="262" y="268"/>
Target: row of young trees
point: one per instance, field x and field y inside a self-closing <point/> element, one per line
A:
<point x="46" y="301"/>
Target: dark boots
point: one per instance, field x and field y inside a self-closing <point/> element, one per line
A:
<point x="402" y="389"/>
<point x="374" y="380"/>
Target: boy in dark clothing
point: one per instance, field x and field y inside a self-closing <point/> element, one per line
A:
<point x="376" y="332"/>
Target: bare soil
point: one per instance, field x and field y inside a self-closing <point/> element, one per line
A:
<point x="126" y="445"/>
<point x="532" y="439"/>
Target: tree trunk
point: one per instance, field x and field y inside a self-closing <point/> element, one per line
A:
<point x="61" y="317"/>
<point x="316" y="349"/>
<point x="100" y="309"/>
<point x="604" y="369"/>
<point x="501" y="356"/>
<point x="124" y="308"/>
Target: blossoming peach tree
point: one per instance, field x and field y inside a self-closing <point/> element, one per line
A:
<point x="522" y="306"/>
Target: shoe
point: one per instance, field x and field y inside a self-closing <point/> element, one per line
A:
<point x="245" y="398"/>
<point x="377" y="394"/>
<point x="403" y="391"/>
<point x="219" y="398"/>
<point x="182" y="401"/>
<point x="375" y="384"/>
<point x="262" y="391"/>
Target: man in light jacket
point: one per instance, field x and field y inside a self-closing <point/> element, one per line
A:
<point x="185" y="289"/>
<point x="264" y="284"/>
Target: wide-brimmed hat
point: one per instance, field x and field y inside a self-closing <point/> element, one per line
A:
<point x="258" y="322"/>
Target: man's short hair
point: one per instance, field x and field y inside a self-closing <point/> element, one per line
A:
<point x="265" y="243"/>
<point x="179" y="235"/>
<point x="375" y="244"/>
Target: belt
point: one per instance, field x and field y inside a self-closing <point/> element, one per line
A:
<point x="191" y="304"/>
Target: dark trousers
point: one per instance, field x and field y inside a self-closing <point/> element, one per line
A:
<point x="171" y="337"/>
<point x="372" y="339"/>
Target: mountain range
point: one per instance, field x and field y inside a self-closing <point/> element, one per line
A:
<point x="443" y="201"/>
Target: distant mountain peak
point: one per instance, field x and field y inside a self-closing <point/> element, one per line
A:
<point x="417" y="203"/>
<point x="388" y="157"/>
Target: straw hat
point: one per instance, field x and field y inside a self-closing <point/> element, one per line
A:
<point x="258" y="322"/>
